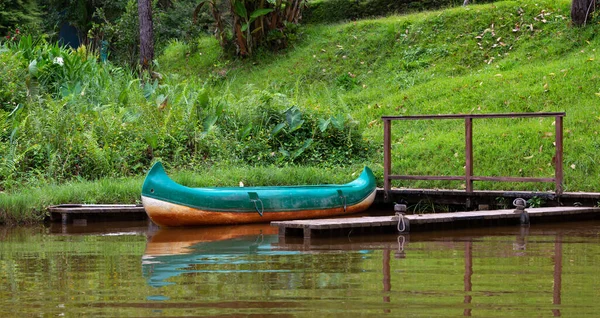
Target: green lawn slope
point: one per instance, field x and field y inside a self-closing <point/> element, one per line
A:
<point x="496" y="58"/>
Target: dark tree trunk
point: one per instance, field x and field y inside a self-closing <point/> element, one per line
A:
<point x="581" y="11"/>
<point x="146" y="37"/>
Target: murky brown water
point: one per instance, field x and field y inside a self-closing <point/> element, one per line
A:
<point x="122" y="270"/>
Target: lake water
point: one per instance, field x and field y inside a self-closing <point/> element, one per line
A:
<point x="126" y="270"/>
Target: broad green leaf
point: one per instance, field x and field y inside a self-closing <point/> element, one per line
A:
<point x="294" y="118"/>
<point x="300" y="150"/>
<point x="296" y="124"/>
<point x="338" y="121"/>
<point x="70" y="89"/>
<point x="277" y="129"/>
<point x="149" y="89"/>
<point x="284" y="152"/>
<point x="124" y="96"/>
<point x="244" y="133"/>
<point x="240" y="9"/>
<point x="160" y="99"/>
<point x="260" y="12"/>
<point x="203" y="99"/>
<point x="209" y="123"/>
<point x="323" y="124"/>
<point x="33" y="69"/>
<point x="245" y="27"/>
<point x="151" y="139"/>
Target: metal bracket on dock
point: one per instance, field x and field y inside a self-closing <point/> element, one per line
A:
<point x="520" y="204"/>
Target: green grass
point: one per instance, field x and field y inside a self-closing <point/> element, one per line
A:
<point x="28" y="205"/>
<point x="214" y="118"/>
<point x="498" y="58"/>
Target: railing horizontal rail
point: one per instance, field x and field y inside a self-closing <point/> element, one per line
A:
<point x="513" y="179"/>
<point x="469" y="177"/>
<point x="462" y="116"/>
<point x="398" y="177"/>
<point x="474" y="178"/>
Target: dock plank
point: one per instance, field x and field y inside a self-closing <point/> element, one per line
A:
<point x="96" y="208"/>
<point x="440" y="218"/>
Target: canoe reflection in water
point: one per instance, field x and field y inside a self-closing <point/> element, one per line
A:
<point x="170" y="252"/>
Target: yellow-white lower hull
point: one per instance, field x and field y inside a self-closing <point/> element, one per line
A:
<point x="170" y="215"/>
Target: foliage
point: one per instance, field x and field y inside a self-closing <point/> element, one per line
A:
<point x="112" y="124"/>
<point x="535" y="202"/>
<point x="176" y="22"/>
<point x="254" y="23"/>
<point x="121" y="34"/>
<point x="18" y="13"/>
<point x="331" y="11"/>
<point x="80" y="14"/>
<point x="116" y="23"/>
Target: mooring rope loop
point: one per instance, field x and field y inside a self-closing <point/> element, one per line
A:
<point x="401" y="241"/>
<point x="401" y="222"/>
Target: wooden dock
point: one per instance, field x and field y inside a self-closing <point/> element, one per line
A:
<point x="82" y="212"/>
<point x="406" y="223"/>
<point x="472" y="200"/>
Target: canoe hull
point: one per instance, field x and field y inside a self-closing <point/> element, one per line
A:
<point x="168" y="214"/>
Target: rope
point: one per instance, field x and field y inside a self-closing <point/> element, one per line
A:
<point x="519" y="202"/>
<point x="262" y="207"/>
<point x="401" y="222"/>
<point x="259" y="237"/>
<point x="401" y="244"/>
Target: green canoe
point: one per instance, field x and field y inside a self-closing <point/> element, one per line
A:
<point x="170" y="204"/>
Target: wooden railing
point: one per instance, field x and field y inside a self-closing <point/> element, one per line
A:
<point x="469" y="177"/>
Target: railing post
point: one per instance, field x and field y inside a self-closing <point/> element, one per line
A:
<point x="469" y="154"/>
<point x="558" y="157"/>
<point x="387" y="158"/>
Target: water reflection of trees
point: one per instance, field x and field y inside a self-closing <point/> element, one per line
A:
<point x="56" y="274"/>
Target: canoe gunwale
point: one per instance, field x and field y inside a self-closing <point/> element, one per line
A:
<point x="159" y="186"/>
<point x="344" y="205"/>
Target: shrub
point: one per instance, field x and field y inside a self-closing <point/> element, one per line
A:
<point x="91" y="120"/>
<point x="329" y="11"/>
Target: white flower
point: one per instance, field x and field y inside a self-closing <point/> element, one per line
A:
<point x="58" y="60"/>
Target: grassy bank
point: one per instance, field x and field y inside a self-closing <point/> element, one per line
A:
<point x="310" y="114"/>
<point x="28" y="205"/>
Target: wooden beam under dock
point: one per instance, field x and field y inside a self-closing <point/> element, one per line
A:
<point x="67" y="213"/>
